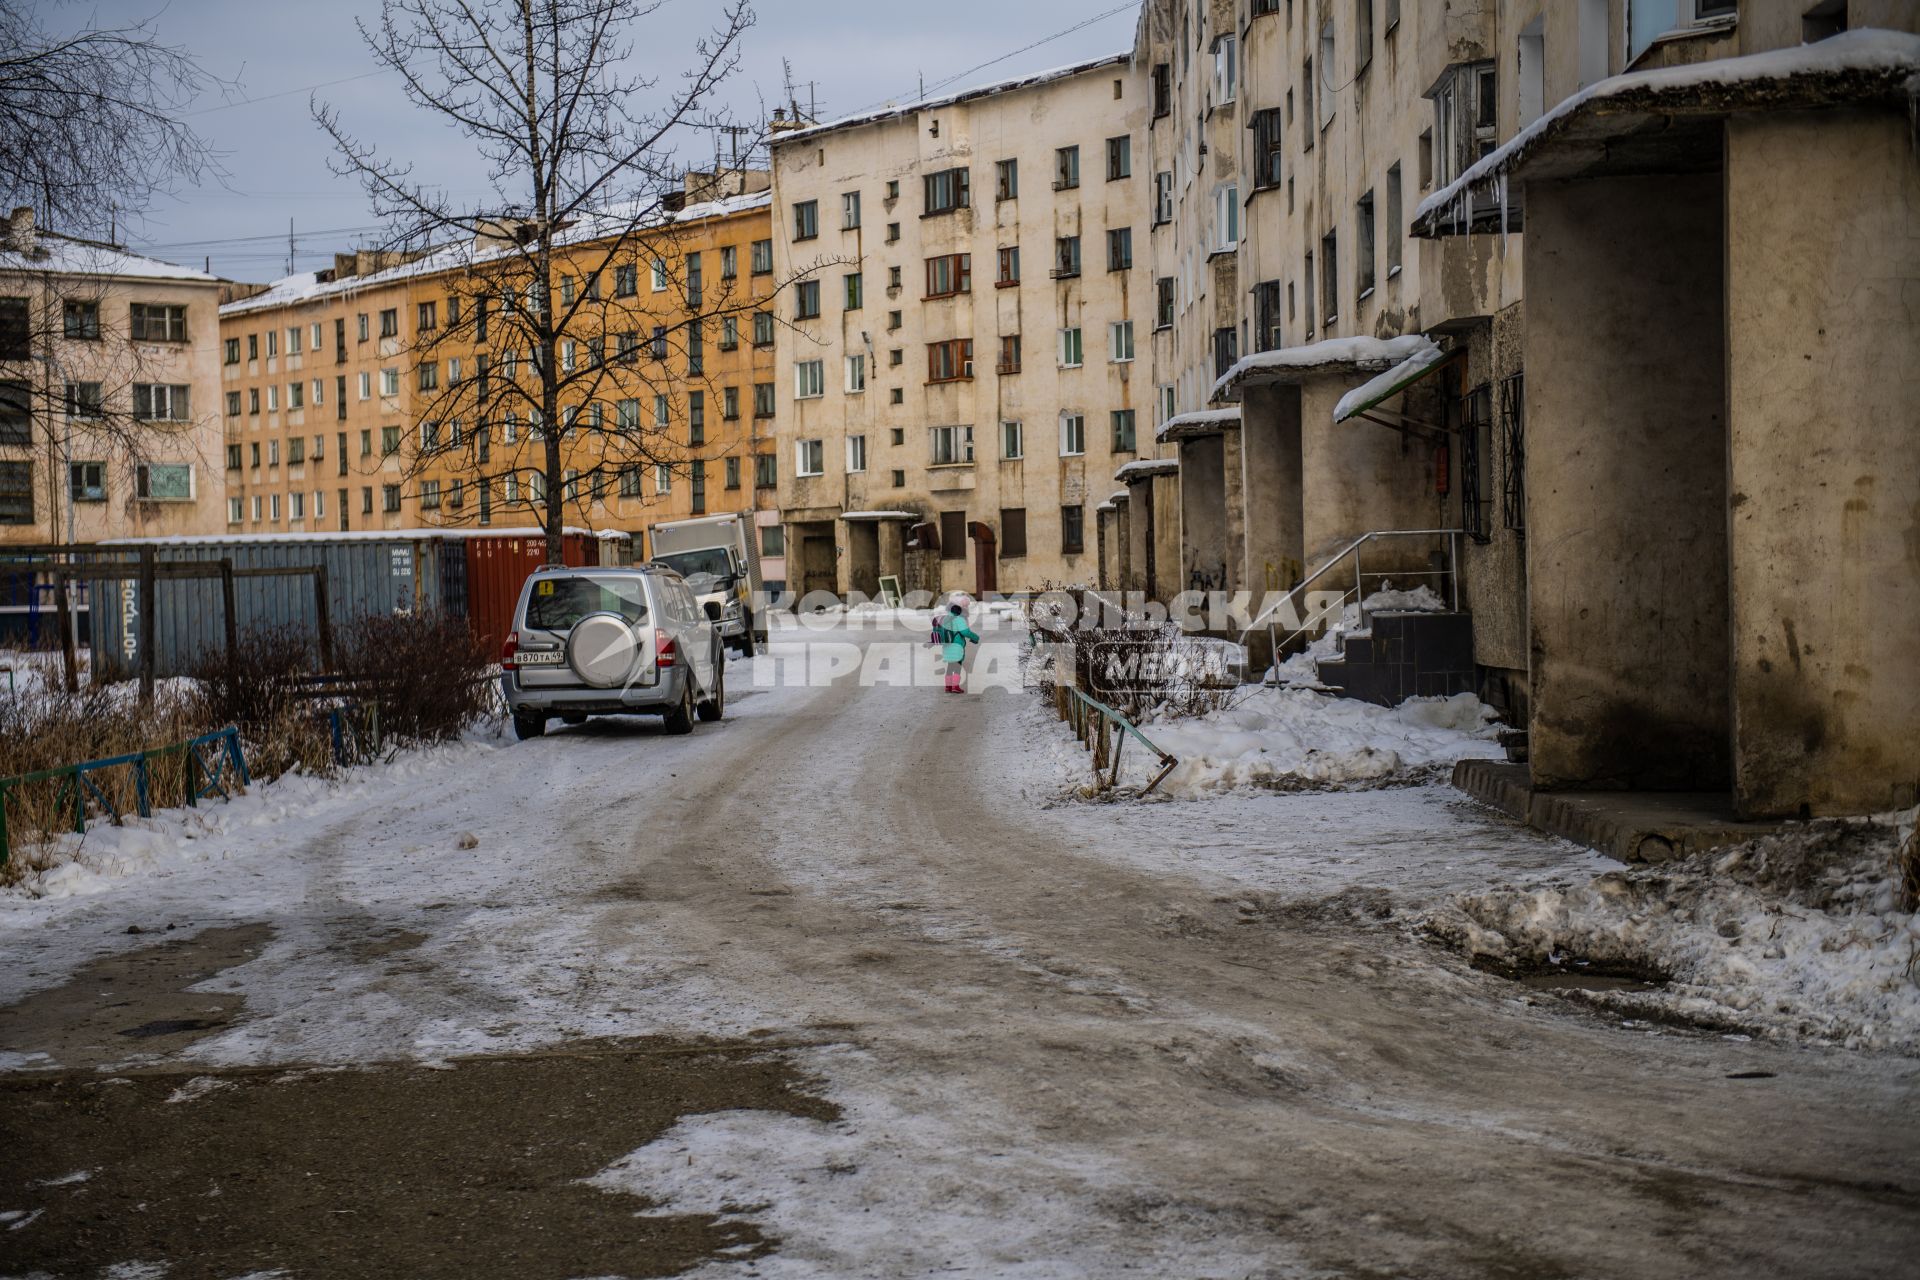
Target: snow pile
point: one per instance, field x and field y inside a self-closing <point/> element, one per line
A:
<point x="1302" y="669"/>
<point x="1799" y="934"/>
<point x="1327" y="355"/>
<point x="1297" y="739"/>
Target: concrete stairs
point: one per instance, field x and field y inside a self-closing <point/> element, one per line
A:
<point x="1404" y="655"/>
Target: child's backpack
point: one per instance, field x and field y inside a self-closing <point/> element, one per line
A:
<point x="939" y="633"/>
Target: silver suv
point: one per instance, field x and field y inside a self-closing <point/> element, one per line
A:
<point x="613" y="641"/>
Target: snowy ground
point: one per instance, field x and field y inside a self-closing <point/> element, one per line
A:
<point x="1188" y="1037"/>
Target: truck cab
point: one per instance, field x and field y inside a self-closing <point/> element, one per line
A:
<point x="719" y="558"/>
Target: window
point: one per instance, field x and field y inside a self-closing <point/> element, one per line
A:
<point x="662" y="480"/>
<point x="1009" y="354"/>
<point x="947" y="190"/>
<point x="1530" y="72"/>
<point x="1163" y="302"/>
<point x="273" y="399"/>
<point x="696" y="280"/>
<point x="733" y="472"/>
<point x="1362" y="35"/>
<point x="1162" y="90"/>
<point x="729" y="334"/>
<point x="1307" y="130"/>
<point x="806" y="300"/>
<point x="1066" y="168"/>
<point x="390" y="379"/>
<point x="729" y="261"/>
<point x="893" y="281"/>
<point x="850" y="211"/>
<point x="1463" y="119"/>
<point x="1226" y="349"/>
<point x="163" y="482"/>
<point x="428" y="374"/>
<point x="951" y="446"/>
<point x="390" y="497"/>
<point x="296" y="393"/>
<point x="1226" y="217"/>
<point x="893" y="232"/>
<point x="953" y="535"/>
<point x="856" y="374"/>
<point x="760" y="255"/>
<point x="806" y="219"/>
<point x="1066" y="257"/>
<point x="389" y="441"/>
<point x="157" y="402"/>
<point x="1330" y="276"/>
<point x="766" y="470"/>
<point x="16" y="493"/>
<point x="809" y="379"/>
<point x="1267" y="148"/>
<point x="1166" y="401"/>
<point x="1071" y="352"/>
<point x="366" y="386"/>
<point x="662" y="411"/>
<point x="696" y="417"/>
<point x="1266" y="316"/>
<point x="232" y="355"/>
<point x="236" y="510"/>
<point x="152" y="322"/>
<point x="87" y="481"/>
<point x="626" y="280"/>
<point x="1120" y="249"/>
<point x="80" y="319"/>
<point x="949" y="274"/>
<point x="1226" y="69"/>
<point x="763" y="399"/>
<point x="730" y="403"/>
<point x="1009" y="267"/>
<point x="893" y="322"/>
<point x="1648" y="20"/>
<point x="1513" y="453"/>
<point x="657" y="275"/>
<point x="1013" y="532"/>
<point x="1119" y="158"/>
<point x="1476" y="447"/>
<point x="950" y="361"/>
<point x="1073" y="435"/>
<point x="1394" y="241"/>
<point x="86" y="400"/>
<point x="1073" y="530"/>
<point x="809" y="457"/>
<point x="1123" y="431"/>
<point x="855" y="291"/>
<point x="1363" y="277"/>
<point x="253" y="399"/>
<point x="1326" y="69"/>
<point x="1162" y="199"/>
<point x="856" y="453"/>
<point x="1013" y="444"/>
<point x="390" y="323"/>
<point x="1006" y="180"/>
<point x="763" y="328"/>
<point x="235" y="458"/>
<point x="1121" y="335"/>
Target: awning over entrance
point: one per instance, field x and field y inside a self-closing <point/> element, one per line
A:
<point x="1369" y="395"/>
<point x="869" y="517"/>
<point x="1328" y="357"/>
<point x="1206" y="422"/>
<point x="1666" y="120"/>
<point x="1146" y="469"/>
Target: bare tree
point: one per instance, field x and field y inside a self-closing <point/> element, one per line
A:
<point x="90" y="123"/>
<point x="545" y="304"/>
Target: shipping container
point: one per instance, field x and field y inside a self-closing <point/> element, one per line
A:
<point x="498" y="564"/>
<point x="398" y="571"/>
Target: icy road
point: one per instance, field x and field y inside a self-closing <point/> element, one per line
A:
<point x="843" y="987"/>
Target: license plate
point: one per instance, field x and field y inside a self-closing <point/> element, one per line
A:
<point x="538" y="659"/>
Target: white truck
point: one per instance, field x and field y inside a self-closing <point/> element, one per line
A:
<point x="719" y="556"/>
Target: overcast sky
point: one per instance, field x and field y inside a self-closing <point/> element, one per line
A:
<point x="858" y="54"/>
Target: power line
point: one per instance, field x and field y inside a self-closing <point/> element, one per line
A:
<point x="288" y="93"/>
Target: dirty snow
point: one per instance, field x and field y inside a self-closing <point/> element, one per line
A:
<point x="1799" y="934"/>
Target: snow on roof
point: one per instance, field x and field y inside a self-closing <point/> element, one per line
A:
<point x="1290" y="364"/>
<point x="1381" y="386"/>
<point x="1204" y="422"/>
<point x="1146" y="469"/>
<point x="879" y="515"/>
<point x="1120" y="495"/>
<point x="54" y="253"/>
<point x="360" y="535"/>
<point x="1854" y="64"/>
<point x="902" y="110"/>
<point x="306" y="286"/>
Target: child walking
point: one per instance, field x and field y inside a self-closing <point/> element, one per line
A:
<point x="954" y="633"/>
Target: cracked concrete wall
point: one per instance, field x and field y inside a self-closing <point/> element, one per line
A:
<point x="1824" y="400"/>
<point x="1627" y="434"/>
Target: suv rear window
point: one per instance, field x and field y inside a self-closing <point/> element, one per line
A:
<point x="558" y="603"/>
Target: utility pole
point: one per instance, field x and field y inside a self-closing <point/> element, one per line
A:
<point x="289" y="246"/>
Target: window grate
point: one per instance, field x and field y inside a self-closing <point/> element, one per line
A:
<point x="1475" y="444"/>
<point x="1513" y="449"/>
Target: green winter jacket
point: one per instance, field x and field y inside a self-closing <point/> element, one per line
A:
<point x="956" y="632"/>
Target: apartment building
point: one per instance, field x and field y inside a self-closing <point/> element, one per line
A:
<point x="109" y="413"/>
<point x="960" y="366"/>
<point x="382" y="394"/>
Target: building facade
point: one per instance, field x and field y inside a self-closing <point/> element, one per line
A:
<point x="372" y="396"/>
<point x="109" y="406"/>
<point x="961" y="367"/>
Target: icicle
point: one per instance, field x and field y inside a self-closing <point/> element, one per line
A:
<point x="1503" y="215"/>
<point x="1466" y="193"/>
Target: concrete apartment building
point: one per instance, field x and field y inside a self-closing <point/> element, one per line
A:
<point x="109" y="409"/>
<point x="961" y="369"/>
<point x="1663" y="399"/>
<point x="353" y="394"/>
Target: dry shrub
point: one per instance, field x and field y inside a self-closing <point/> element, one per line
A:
<point x="432" y="677"/>
<point x="1099" y="640"/>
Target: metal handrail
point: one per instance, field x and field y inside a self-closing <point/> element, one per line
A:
<point x="1076" y="712"/>
<point x="1353" y="549"/>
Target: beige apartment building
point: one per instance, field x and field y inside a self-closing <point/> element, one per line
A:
<point x="109" y="406"/>
<point x="962" y="366"/>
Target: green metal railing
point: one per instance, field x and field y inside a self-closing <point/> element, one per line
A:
<point x="1104" y="732"/>
<point x="215" y="765"/>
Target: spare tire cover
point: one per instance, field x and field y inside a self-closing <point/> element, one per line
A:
<point x="602" y="650"/>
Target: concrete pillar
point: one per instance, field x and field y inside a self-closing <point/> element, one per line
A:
<point x="1627" y="483"/>
<point x="1235" y="510"/>
<point x="1824" y="395"/>
<point x="1122" y="562"/>
<point x="1203" y="515"/>
<point x="1139" y="522"/>
<point x="1168" y="580"/>
<point x="1270" y="485"/>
